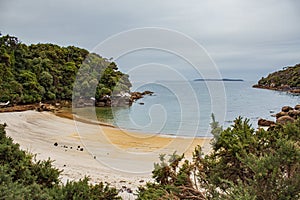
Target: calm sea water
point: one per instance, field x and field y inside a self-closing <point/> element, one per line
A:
<point x="185" y="108"/>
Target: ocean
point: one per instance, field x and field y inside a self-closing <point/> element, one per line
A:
<point x="185" y="108"/>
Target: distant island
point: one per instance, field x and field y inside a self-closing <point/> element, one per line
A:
<point x="215" y="79"/>
<point x="287" y="79"/>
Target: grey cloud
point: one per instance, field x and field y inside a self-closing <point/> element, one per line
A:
<point x="241" y="35"/>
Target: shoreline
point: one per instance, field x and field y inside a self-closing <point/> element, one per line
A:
<point x="119" y="157"/>
<point x="69" y="115"/>
<point x="292" y="91"/>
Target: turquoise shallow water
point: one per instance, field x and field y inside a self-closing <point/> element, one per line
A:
<point x="184" y="108"/>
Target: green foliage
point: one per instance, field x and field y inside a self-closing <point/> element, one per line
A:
<point x="289" y="76"/>
<point x="243" y="164"/>
<point x="216" y="129"/>
<point x="29" y="74"/>
<point x="23" y="177"/>
<point x="83" y="190"/>
<point x="173" y="180"/>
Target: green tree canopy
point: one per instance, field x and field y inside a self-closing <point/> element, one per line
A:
<point x="46" y="72"/>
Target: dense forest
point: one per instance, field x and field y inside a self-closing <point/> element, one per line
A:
<point x="47" y="72"/>
<point x="287" y="79"/>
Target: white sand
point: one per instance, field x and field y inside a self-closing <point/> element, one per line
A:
<point x="111" y="155"/>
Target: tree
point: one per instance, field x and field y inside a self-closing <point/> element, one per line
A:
<point x="244" y="164"/>
<point x="47" y="72"/>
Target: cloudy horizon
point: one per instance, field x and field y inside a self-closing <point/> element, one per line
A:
<point x="245" y="39"/>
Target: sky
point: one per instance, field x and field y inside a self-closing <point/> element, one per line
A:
<point x="245" y="39"/>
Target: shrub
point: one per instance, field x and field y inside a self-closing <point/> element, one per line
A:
<point x="23" y="177"/>
<point x="244" y="164"/>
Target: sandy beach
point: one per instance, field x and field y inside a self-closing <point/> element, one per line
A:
<point x="119" y="157"/>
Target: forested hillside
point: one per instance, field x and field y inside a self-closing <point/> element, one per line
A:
<point x="46" y="72"/>
<point x="287" y="79"/>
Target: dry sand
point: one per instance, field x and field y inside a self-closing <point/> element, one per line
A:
<point x="119" y="157"/>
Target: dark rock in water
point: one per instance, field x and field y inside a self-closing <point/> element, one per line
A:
<point x="147" y="92"/>
<point x="264" y="122"/>
<point x="297" y="107"/>
<point x="285" y="119"/>
<point x="280" y="114"/>
<point x="141" y="103"/>
<point x="138" y="95"/>
<point x="286" y="108"/>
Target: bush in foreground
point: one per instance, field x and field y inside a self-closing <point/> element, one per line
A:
<point x="243" y="164"/>
<point x="22" y="177"/>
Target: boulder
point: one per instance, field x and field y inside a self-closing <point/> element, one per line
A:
<point x="46" y="107"/>
<point x="294" y="113"/>
<point x="297" y="107"/>
<point x="295" y="91"/>
<point x="264" y="122"/>
<point x="147" y="92"/>
<point x="286" y="108"/>
<point x="280" y="114"/>
<point x="285" y="119"/>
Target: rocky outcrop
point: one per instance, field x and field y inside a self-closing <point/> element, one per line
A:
<point x="286" y="108"/>
<point x="46" y="107"/>
<point x="138" y="95"/>
<point x="294" y="113"/>
<point x="289" y="111"/>
<point x="116" y="100"/>
<point x="284" y="120"/>
<point x="280" y="114"/>
<point x="264" y="122"/>
<point x="286" y="115"/>
<point x="287" y="79"/>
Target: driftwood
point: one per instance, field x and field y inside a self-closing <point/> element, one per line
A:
<point x="4" y="104"/>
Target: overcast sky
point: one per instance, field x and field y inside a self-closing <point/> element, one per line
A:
<point x="246" y="39"/>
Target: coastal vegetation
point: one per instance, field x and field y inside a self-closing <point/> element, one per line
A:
<point x="24" y="177"/>
<point x="287" y="79"/>
<point x="243" y="164"/>
<point x="47" y="72"/>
